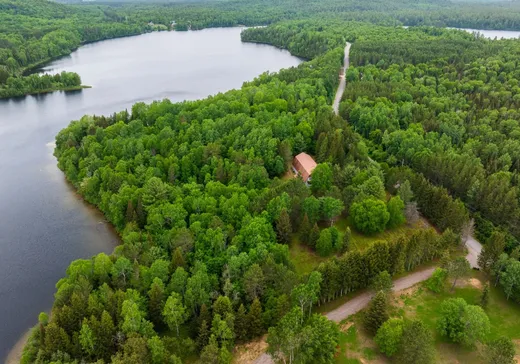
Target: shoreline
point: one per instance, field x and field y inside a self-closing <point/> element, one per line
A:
<point x="47" y="91"/>
<point x="15" y="354"/>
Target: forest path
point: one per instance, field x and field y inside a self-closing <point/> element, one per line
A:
<point x="342" y="80"/>
<point x="474" y="249"/>
<point x="359" y="302"/>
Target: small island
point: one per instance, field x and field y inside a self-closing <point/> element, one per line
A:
<point x="40" y="84"/>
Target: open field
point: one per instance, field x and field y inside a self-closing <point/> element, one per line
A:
<point x="418" y="302"/>
<point x="306" y="259"/>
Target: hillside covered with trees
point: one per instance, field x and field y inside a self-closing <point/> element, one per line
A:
<point x="33" y="32"/>
<point x="202" y="194"/>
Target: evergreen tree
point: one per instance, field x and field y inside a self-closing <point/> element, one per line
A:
<point x="377" y="312"/>
<point x="222" y="306"/>
<point x="484" y="297"/>
<point x="324" y="243"/>
<point x="283" y="227"/>
<point x="203" y="336"/>
<point x="140" y="212"/>
<point x="210" y="353"/>
<point x="314" y="236"/>
<point x="416" y="344"/>
<point x="491" y="251"/>
<point x="256" y="327"/>
<point x="204" y="314"/>
<point x="178" y="259"/>
<point x="405" y="192"/>
<point x="305" y="229"/>
<point x="347" y="236"/>
<point x="156" y="302"/>
<point x="241" y="324"/>
<point x="130" y="212"/>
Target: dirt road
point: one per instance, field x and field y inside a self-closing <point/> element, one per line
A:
<point x="360" y="302"/>
<point x="474" y="249"/>
<point x="342" y="81"/>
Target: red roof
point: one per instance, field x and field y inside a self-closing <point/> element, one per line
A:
<point x="304" y="164"/>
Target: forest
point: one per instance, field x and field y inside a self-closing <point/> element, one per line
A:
<point x="34" y="32"/>
<point x="202" y="195"/>
<point x="199" y="193"/>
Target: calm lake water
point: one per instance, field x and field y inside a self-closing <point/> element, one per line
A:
<point x="492" y="34"/>
<point x="44" y="225"/>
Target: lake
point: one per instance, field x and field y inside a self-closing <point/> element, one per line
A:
<point x="44" y="225"/>
<point x="492" y="34"/>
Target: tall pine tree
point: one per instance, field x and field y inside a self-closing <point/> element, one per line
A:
<point x="305" y="229"/>
<point x="283" y="227"/>
<point x="314" y="236"/>
<point x="377" y="312"/>
<point x="241" y="324"/>
<point x="256" y="327"/>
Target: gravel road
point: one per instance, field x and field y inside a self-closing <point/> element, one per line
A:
<point x="342" y="81"/>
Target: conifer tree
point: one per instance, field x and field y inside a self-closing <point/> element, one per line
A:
<point x="255" y="319"/>
<point x="241" y="324"/>
<point x="484" y="297"/>
<point x="346" y="240"/>
<point x="416" y="344"/>
<point x="178" y="259"/>
<point x="130" y="212"/>
<point x="203" y="337"/>
<point x="314" y="236"/>
<point x="377" y="312"/>
<point x="156" y="302"/>
<point x="204" y="314"/>
<point x="305" y="229"/>
<point x="283" y="227"/>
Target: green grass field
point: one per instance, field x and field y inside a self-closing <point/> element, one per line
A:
<point x="305" y="259"/>
<point x="422" y="304"/>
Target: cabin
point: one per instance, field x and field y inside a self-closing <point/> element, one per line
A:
<point x="304" y="164"/>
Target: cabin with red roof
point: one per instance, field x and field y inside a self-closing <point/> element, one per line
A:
<point x="304" y="164"/>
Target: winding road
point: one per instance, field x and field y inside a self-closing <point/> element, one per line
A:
<point x="342" y="80"/>
<point x="360" y="301"/>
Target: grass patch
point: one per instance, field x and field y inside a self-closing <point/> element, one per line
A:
<point x="355" y="345"/>
<point x="305" y="260"/>
<point x="360" y="241"/>
<point x="422" y="304"/>
<point x="504" y="315"/>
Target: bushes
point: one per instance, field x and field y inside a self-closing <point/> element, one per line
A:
<point x="369" y="216"/>
<point x="437" y="281"/>
<point x="463" y="323"/>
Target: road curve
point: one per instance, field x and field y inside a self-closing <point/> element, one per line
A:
<point x="342" y="81"/>
<point x="361" y="301"/>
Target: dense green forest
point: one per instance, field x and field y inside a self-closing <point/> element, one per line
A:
<point x="201" y="195"/>
<point x="442" y="103"/>
<point x="197" y="193"/>
<point x="33" y="32"/>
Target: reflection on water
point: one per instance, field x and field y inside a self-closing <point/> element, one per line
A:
<point x="44" y="224"/>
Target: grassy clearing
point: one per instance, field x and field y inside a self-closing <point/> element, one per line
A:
<point x="420" y="303"/>
<point x="305" y="260"/>
<point x="355" y="345"/>
<point x="360" y="241"/>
